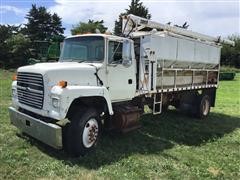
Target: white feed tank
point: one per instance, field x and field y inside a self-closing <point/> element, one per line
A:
<point x="181" y="52"/>
<point x="173" y="51"/>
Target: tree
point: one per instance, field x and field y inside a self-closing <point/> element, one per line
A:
<point x="18" y="54"/>
<point x="56" y="25"/>
<point x="230" y="56"/>
<point x="137" y="8"/>
<point x="42" y="25"/>
<point x="6" y="32"/>
<point x="14" y="47"/>
<point x="91" y="26"/>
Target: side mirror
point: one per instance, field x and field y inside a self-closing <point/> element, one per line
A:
<point x="61" y="46"/>
<point x="126" y="54"/>
<point x="126" y="63"/>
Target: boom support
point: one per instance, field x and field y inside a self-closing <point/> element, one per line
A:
<point x="132" y="23"/>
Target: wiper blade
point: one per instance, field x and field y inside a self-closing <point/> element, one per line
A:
<point x="81" y="61"/>
<point x="66" y="60"/>
<point x="73" y="60"/>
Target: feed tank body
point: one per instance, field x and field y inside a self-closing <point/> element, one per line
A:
<point x="174" y="52"/>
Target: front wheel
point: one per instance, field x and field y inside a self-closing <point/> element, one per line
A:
<point x="82" y="133"/>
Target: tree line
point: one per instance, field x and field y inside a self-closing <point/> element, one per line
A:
<point x="20" y="43"/>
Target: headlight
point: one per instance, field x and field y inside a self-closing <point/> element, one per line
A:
<point x="55" y="102"/>
<point x="14" y="93"/>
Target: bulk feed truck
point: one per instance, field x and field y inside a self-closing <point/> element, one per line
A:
<point x="105" y="81"/>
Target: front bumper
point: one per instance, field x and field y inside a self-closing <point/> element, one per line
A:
<point x="48" y="133"/>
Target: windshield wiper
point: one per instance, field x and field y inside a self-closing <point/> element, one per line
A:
<point x="81" y="61"/>
<point x="73" y="60"/>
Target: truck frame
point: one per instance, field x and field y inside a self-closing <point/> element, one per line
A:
<point x="105" y="82"/>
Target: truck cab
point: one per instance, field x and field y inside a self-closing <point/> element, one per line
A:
<point x="112" y="56"/>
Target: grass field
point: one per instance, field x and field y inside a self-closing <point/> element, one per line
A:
<point x="169" y="146"/>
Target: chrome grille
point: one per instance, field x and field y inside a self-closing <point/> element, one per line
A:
<point x="30" y="89"/>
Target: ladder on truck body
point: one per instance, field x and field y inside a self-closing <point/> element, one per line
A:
<point x="157" y="103"/>
<point x="132" y="23"/>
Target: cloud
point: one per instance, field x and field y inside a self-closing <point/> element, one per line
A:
<point x="6" y="8"/>
<point x="213" y="18"/>
<point x="210" y="17"/>
<point x="73" y="12"/>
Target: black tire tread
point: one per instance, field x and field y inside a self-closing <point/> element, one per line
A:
<point x="199" y="113"/>
<point x="72" y="134"/>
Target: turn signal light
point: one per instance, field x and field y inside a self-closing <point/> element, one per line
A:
<point x="14" y="77"/>
<point x="62" y="84"/>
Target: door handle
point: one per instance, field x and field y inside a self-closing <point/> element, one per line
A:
<point x="129" y="81"/>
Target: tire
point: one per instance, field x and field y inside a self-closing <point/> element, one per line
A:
<point x="203" y="106"/>
<point x="81" y="135"/>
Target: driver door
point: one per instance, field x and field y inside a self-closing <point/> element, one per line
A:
<point x="121" y="75"/>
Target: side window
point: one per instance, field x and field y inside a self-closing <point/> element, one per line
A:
<point x="115" y="52"/>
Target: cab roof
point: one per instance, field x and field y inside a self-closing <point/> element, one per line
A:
<point x="112" y="37"/>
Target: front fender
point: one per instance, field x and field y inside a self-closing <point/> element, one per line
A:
<point x="68" y="94"/>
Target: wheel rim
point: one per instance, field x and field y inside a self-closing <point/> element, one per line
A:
<point x="90" y="133"/>
<point x="205" y="107"/>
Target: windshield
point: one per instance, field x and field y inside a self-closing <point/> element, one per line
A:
<point x="81" y="49"/>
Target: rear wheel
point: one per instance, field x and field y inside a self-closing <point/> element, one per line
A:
<point x="203" y="106"/>
<point x="81" y="135"/>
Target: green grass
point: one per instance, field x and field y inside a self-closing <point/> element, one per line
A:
<point x="169" y="146"/>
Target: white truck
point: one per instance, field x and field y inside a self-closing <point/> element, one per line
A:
<point x="105" y="81"/>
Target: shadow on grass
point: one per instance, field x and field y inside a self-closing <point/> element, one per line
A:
<point x="157" y="134"/>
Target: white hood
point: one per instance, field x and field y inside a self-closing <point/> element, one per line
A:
<point x="73" y="72"/>
<point x="42" y="68"/>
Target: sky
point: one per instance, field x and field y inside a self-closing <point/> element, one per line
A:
<point x="212" y="17"/>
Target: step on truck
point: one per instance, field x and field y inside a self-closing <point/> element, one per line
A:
<point x="103" y="81"/>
